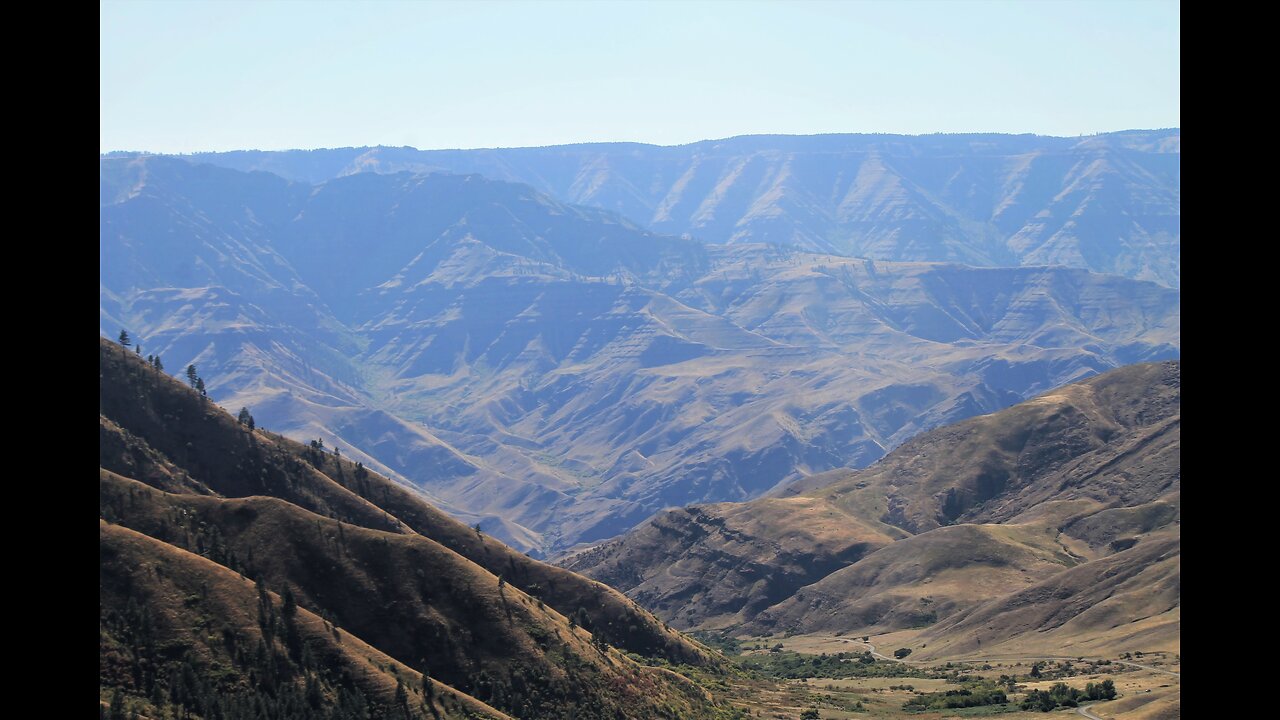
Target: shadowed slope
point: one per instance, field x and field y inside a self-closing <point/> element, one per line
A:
<point x="375" y="560"/>
<point x="712" y="565"/>
<point x="176" y="625"/>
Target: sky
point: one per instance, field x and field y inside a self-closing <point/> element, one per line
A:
<point x="205" y="76"/>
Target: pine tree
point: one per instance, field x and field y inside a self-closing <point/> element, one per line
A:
<point x="402" y="697"/>
<point x="124" y="338"/>
<point x="200" y="387"/>
<point x="116" y="712"/>
<point x="191" y="375"/>
<point x="245" y="418"/>
<point x="290" y="608"/>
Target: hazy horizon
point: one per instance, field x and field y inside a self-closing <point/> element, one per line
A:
<point x="210" y="77"/>
<point x="144" y="151"/>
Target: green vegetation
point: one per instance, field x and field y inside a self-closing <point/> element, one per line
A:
<point x="1049" y="670"/>
<point x="901" y="652"/>
<point x="794" y="666"/>
<point x="1062" y="695"/>
<point x="973" y="695"/>
<point x="718" y="641"/>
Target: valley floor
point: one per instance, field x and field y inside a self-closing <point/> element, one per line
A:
<point x="783" y="677"/>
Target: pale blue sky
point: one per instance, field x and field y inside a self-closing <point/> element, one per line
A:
<point x="187" y="76"/>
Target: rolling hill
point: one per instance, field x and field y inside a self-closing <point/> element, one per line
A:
<point x="1053" y="525"/>
<point x="240" y="568"/>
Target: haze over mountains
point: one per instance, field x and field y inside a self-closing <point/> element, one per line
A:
<point x="1109" y="203"/>
<point x="1051" y="527"/>
<point x="558" y="373"/>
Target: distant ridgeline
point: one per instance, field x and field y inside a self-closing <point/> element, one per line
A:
<point x="558" y="373"/>
<point x="1109" y="203"/>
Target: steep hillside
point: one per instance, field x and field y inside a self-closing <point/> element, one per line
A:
<point x="555" y="374"/>
<point x="917" y="580"/>
<point x="1131" y="599"/>
<point x="1027" y="528"/>
<point x="372" y="560"/>
<point x="1109" y="203"/>
<point x="1112" y="440"/>
<point x="179" y="632"/>
<point x="712" y="565"/>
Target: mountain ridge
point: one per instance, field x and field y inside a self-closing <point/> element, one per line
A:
<point x="477" y="356"/>
<point x="925" y="197"/>
<point x="1129" y="131"/>
<point x="1039" y="512"/>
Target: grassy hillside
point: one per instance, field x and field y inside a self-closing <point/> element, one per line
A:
<point x="915" y="581"/>
<point x="1128" y="600"/>
<point x="182" y="634"/>
<point x="1033" y="529"/>
<point x="1112" y="439"/>
<point x="374" y="561"/>
<point x="218" y="455"/>
<point x="714" y="565"/>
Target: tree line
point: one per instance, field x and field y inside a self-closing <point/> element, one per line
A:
<point x="1063" y="695"/>
<point x="193" y="375"/>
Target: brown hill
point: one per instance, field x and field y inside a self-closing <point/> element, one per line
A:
<point x="375" y="561"/>
<point x="1048" y="507"/>
<point x="913" y="582"/>
<point x="177" y="625"/>
<point x="1112" y="439"/>
<point x="1127" y="601"/>
<point x="714" y="565"/>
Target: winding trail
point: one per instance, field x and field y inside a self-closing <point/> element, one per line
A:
<point x="872" y="649"/>
<point x="1086" y="710"/>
